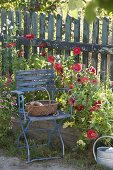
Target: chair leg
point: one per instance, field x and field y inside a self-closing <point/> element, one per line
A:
<point x="24" y="131"/>
<point x="56" y="131"/>
<point x="22" y="134"/>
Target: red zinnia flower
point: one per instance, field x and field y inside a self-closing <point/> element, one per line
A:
<point x="72" y="101"/>
<point x="21" y="53"/>
<point x="94" y="108"/>
<point x="92" y="70"/>
<point x="51" y="59"/>
<point x="79" y="107"/>
<point x="29" y="36"/>
<point x="92" y="134"/>
<point x="58" y="67"/>
<point x="94" y="81"/>
<point x="76" y="51"/>
<point x="13" y="44"/>
<point x="42" y="45"/>
<point x="43" y="53"/>
<point x="77" y="67"/>
<point x="97" y="103"/>
<point x="71" y="86"/>
<point x="84" y="80"/>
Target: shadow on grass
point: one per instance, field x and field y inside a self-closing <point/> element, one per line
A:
<point x="81" y="160"/>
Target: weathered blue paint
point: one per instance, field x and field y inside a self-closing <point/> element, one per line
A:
<point x="105" y="31"/>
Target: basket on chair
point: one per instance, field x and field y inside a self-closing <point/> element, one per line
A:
<point x="41" y="107"/>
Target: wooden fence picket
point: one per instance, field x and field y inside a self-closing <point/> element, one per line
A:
<point x="85" y="40"/>
<point x="105" y="31"/>
<point x="77" y="34"/>
<point x="58" y="32"/>
<point x="95" y="40"/>
<point x="34" y="25"/>
<point x="4" y="31"/>
<point x="27" y="26"/>
<point x="68" y="33"/>
<point x="50" y="31"/>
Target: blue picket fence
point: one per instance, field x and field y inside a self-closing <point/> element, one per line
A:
<point x="61" y="37"/>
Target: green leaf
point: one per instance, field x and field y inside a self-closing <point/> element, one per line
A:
<point x="90" y="12"/>
<point x="73" y="4"/>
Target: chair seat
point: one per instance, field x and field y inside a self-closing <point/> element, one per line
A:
<point x="59" y="115"/>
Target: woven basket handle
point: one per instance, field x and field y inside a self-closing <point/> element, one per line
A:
<point x="47" y="93"/>
<point x="94" y="145"/>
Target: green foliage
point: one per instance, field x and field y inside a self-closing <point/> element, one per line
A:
<point x="31" y="5"/>
<point x="91" y="7"/>
<point x="7" y="105"/>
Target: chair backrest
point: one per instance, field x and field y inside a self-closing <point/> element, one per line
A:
<point x="31" y="80"/>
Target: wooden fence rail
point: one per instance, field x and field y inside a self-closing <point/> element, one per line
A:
<point x="95" y="40"/>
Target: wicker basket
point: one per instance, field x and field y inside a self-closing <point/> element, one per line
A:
<point x="47" y="107"/>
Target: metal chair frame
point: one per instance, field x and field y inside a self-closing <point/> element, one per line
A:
<point x="36" y="80"/>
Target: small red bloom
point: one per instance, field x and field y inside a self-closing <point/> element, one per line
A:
<point x="13" y="44"/>
<point x="76" y="67"/>
<point x="21" y="53"/>
<point x="72" y="101"/>
<point x="92" y="134"/>
<point x="94" y="81"/>
<point x="79" y="108"/>
<point x="84" y="80"/>
<point x="76" y="51"/>
<point x="58" y="67"/>
<point x="94" y="108"/>
<point x="92" y="70"/>
<point x="29" y="36"/>
<point x="51" y="59"/>
<point x="43" y="53"/>
<point x="97" y="103"/>
<point x="42" y="45"/>
<point x="71" y="86"/>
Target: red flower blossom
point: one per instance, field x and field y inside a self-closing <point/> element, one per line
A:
<point x="58" y="67"/>
<point x="43" y="53"/>
<point x="97" y="103"/>
<point x="72" y="101"/>
<point x="94" y="108"/>
<point x="42" y="45"/>
<point x="51" y="59"/>
<point x="9" y="80"/>
<point x="94" y="81"/>
<point x="71" y="86"/>
<point x="13" y="44"/>
<point x="92" y="134"/>
<point x="84" y="80"/>
<point x="79" y="108"/>
<point x="29" y="36"/>
<point x="21" y="53"/>
<point x="76" y="51"/>
<point x="92" y="70"/>
<point x="77" y="67"/>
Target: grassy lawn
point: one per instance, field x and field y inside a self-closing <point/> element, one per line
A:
<point x="80" y="160"/>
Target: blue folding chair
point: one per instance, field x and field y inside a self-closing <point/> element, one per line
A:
<point x="36" y="80"/>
